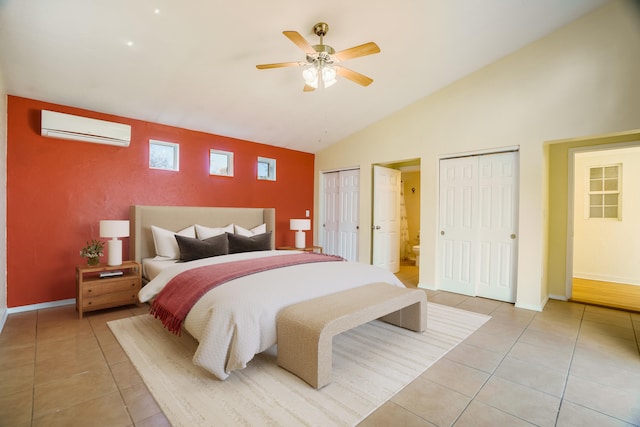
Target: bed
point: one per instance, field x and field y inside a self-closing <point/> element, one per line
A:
<point x="237" y="320"/>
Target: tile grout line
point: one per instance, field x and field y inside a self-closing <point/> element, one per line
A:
<point x="491" y="375"/>
<point x="106" y="361"/>
<point x="562" y="400"/>
<point x="573" y="352"/>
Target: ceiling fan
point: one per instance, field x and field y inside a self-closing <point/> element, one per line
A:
<point x="321" y="64"/>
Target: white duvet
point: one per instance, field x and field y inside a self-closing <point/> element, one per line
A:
<point x="236" y="320"/>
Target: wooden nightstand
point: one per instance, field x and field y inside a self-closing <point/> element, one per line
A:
<point x="306" y="249"/>
<point x="95" y="293"/>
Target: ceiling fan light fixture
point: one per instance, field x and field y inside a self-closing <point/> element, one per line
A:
<point x="329" y="75"/>
<point x="319" y="70"/>
<point x="326" y="73"/>
<point x="310" y="76"/>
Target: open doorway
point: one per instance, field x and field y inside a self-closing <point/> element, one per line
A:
<point x="396" y="219"/>
<point x="604" y="207"/>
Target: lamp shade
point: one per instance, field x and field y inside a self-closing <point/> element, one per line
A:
<point x="299" y="224"/>
<point x="114" y="228"/>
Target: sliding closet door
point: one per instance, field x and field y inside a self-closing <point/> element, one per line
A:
<point x="340" y="213"/>
<point x="458" y="228"/>
<point x="330" y="212"/>
<point x="349" y="214"/>
<point x="497" y="225"/>
<point x="477" y="241"/>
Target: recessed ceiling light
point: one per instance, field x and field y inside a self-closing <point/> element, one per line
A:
<point x="156" y="11"/>
<point x="129" y="43"/>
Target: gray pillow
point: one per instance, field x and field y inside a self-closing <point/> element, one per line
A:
<point x="259" y="242"/>
<point x="192" y="249"/>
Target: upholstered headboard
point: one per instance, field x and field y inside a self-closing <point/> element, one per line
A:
<point x="176" y="218"/>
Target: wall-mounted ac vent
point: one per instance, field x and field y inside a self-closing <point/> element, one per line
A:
<point x="67" y="126"/>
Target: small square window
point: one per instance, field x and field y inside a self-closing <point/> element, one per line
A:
<point x="266" y="169"/>
<point x="604" y="191"/>
<point x="163" y="155"/>
<point x="220" y="163"/>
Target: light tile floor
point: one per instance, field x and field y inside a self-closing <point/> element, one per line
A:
<point x="569" y="365"/>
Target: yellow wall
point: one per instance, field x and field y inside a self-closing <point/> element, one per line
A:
<point x="602" y="247"/>
<point x="580" y="80"/>
<point x="411" y="180"/>
<point x="558" y="203"/>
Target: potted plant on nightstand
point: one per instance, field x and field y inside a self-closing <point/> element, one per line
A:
<point x="92" y="252"/>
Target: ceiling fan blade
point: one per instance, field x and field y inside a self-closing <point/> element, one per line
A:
<point x="278" y="65"/>
<point x="357" y="51"/>
<point x="354" y="76"/>
<point x="308" y="88"/>
<point x="299" y="41"/>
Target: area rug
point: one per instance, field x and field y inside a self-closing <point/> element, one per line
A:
<point x="370" y="364"/>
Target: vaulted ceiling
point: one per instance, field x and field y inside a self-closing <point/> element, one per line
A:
<point x="191" y="64"/>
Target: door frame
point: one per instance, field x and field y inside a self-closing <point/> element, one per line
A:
<point x="571" y="157"/>
<point x="415" y="162"/>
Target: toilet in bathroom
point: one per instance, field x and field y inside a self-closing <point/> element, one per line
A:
<point x="416" y="252"/>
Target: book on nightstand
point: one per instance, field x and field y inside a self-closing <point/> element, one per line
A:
<point x="114" y="273"/>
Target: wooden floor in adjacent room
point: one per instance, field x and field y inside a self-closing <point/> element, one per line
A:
<point x="608" y="294"/>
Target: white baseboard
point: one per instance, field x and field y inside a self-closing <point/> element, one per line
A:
<point x="425" y="286"/>
<point x="532" y="307"/>
<point x="41" y="305"/>
<point x="3" y="318"/>
<point x="607" y="278"/>
<point x="558" y="297"/>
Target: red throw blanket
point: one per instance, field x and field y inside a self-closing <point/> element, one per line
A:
<point x="181" y="293"/>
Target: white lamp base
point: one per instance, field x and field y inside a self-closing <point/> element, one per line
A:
<point x="300" y="239"/>
<point x="114" y="252"/>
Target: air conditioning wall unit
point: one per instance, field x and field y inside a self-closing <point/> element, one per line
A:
<point x="67" y="126"/>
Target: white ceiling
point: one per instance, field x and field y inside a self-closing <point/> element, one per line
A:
<point x="192" y="65"/>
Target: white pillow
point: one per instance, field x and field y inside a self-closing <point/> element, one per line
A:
<point x="205" y="232"/>
<point x="165" y="241"/>
<point x="261" y="229"/>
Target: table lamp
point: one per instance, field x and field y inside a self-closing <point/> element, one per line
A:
<point x="300" y="225"/>
<point x="114" y="229"/>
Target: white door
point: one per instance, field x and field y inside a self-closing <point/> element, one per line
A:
<point x="349" y="214"/>
<point x="458" y="204"/>
<point x="340" y="213"/>
<point x="386" y="218"/>
<point x="478" y="225"/>
<point x="497" y="226"/>
<point x="330" y="212"/>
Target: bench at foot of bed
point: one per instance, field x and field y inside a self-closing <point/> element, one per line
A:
<point x="306" y="330"/>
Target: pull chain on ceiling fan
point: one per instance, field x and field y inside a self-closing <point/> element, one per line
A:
<point x="321" y="63"/>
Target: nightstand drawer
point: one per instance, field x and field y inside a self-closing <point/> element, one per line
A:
<point x="113" y="299"/>
<point x="94" y="292"/>
<point x="112" y="286"/>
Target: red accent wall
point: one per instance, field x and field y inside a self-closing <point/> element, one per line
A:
<point x="59" y="190"/>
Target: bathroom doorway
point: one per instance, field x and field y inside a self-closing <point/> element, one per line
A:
<point x="410" y="237"/>
<point x="409" y="242"/>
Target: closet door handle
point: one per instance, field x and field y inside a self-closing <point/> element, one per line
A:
<point x="442" y="233"/>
